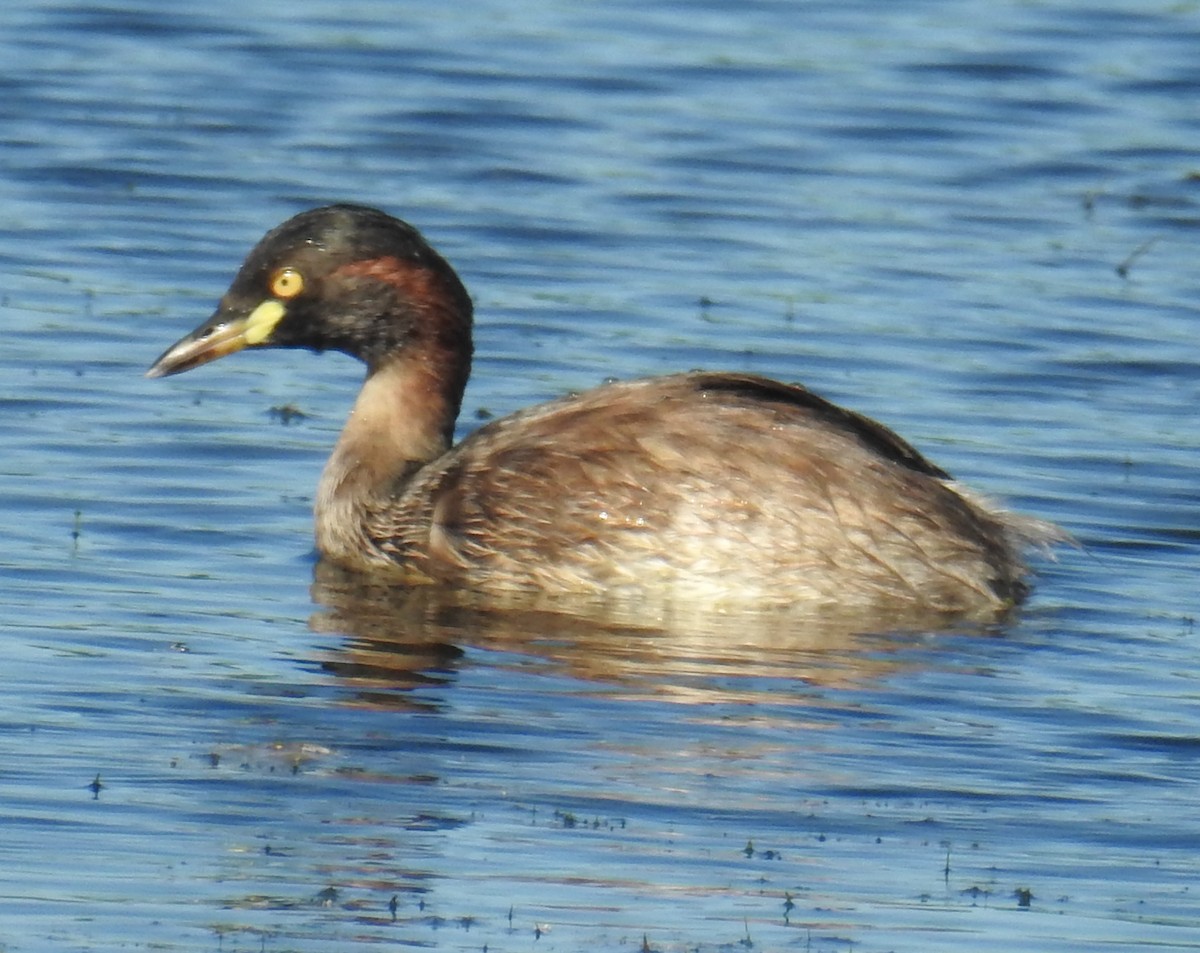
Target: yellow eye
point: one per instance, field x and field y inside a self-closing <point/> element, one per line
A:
<point x="287" y="283"/>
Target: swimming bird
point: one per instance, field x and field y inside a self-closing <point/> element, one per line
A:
<point x="722" y="487"/>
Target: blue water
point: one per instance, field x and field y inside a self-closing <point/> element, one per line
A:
<point x="974" y="221"/>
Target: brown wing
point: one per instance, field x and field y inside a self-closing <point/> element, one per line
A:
<point x="872" y="434"/>
<point x="693" y="473"/>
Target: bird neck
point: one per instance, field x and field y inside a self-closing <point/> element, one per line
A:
<point x="403" y="418"/>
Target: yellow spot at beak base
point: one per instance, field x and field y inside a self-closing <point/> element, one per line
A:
<point x="262" y="320"/>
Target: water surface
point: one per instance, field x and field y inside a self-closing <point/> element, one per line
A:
<point x="974" y="221"/>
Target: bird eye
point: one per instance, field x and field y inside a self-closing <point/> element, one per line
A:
<point x="287" y="283"/>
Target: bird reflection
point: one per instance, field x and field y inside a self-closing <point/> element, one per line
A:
<point x="397" y="639"/>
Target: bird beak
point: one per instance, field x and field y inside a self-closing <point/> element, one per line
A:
<point x="220" y="335"/>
